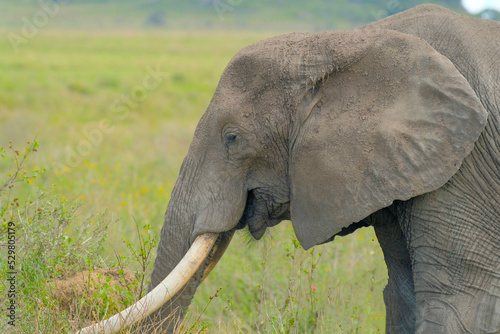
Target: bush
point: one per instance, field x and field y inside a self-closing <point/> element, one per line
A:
<point x="45" y="240"/>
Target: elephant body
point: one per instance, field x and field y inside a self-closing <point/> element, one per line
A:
<point x="395" y="125"/>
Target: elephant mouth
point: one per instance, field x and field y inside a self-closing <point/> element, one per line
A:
<point x="262" y="211"/>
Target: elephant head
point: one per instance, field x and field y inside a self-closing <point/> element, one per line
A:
<point x="323" y="129"/>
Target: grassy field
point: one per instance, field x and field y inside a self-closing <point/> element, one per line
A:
<point x="114" y="145"/>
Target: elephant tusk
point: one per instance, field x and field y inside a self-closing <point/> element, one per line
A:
<point x="179" y="276"/>
<point x="217" y="252"/>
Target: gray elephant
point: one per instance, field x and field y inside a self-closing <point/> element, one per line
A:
<point x="394" y="125"/>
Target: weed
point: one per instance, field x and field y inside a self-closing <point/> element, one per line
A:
<point x="58" y="285"/>
<point x="143" y="255"/>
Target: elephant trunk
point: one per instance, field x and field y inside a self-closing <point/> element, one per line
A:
<point x="175" y="240"/>
<point x="173" y="245"/>
<point x="171" y="313"/>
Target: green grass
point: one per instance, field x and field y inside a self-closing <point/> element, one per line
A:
<point x="61" y="84"/>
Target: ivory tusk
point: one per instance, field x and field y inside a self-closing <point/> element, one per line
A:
<point x="179" y="276"/>
<point x="217" y="252"/>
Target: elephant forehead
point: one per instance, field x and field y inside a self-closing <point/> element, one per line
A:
<point x="253" y="101"/>
<point x="229" y="106"/>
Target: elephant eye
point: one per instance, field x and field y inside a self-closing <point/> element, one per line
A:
<point x="229" y="138"/>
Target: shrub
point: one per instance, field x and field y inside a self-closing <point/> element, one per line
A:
<point x="45" y="240"/>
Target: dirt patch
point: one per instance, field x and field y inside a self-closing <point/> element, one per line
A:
<point x="109" y="288"/>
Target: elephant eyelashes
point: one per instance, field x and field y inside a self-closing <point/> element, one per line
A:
<point x="229" y="138"/>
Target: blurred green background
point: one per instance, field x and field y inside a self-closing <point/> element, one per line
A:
<point x="72" y="76"/>
<point x="277" y="15"/>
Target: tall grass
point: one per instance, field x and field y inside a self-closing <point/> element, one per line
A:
<point x="61" y="86"/>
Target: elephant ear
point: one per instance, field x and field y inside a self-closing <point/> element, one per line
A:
<point x="395" y="124"/>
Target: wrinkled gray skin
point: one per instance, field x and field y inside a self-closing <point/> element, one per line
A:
<point x="395" y="125"/>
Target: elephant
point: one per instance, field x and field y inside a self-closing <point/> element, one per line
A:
<point x="394" y="125"/>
